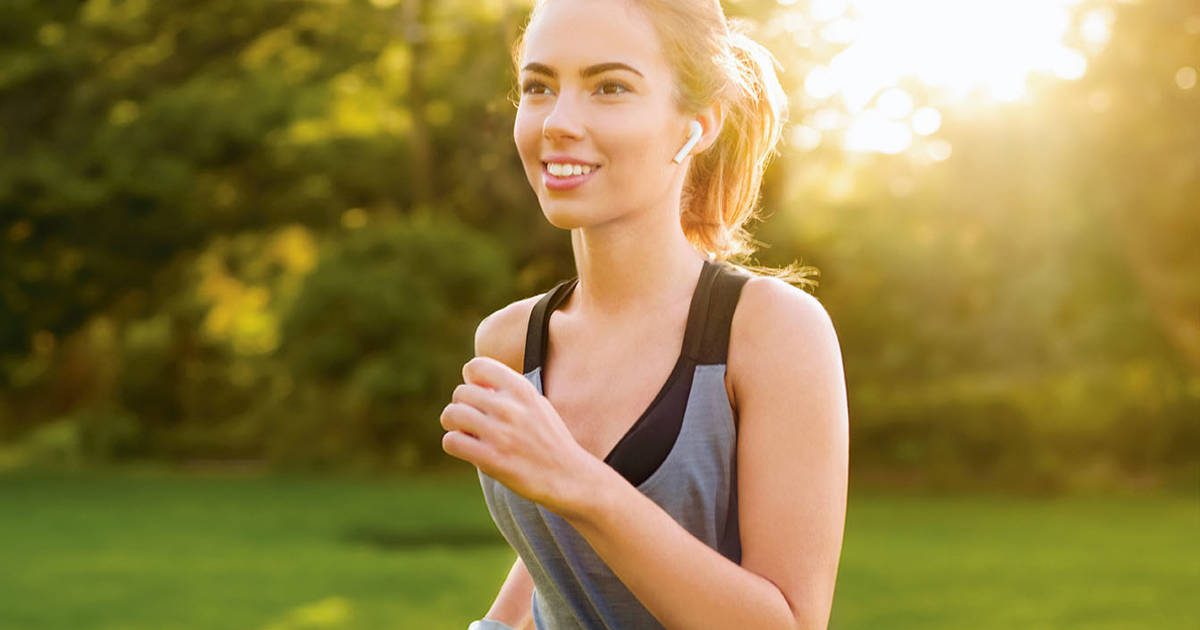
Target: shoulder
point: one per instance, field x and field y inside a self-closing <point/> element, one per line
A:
<point x="501" y="335"/>
<point x="779" y="331"/>
<point x="770" y="305"/>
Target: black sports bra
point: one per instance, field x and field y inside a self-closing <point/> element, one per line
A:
<point x="647" y="443"/>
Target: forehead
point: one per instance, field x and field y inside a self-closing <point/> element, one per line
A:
<point x="569" y="34"/>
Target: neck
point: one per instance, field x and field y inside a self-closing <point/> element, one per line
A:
<point x="640" y="264"/>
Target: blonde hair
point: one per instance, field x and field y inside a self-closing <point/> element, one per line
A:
<point x="715" y="60"/>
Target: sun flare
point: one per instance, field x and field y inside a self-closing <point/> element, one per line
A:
<point x="959" y="52"/>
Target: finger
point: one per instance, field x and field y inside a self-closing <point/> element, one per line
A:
<point x="467" y="448"/>
<point x="477" y="396"/>
<point x="486" y="400"/>
<point x="488" y="372"/>
<point x="458" y="416"/>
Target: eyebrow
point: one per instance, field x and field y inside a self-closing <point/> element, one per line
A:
<point x="586" y="72"/>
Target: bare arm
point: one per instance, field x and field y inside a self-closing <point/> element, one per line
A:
<point x="512" y="603"/>
<point x="501" y="336"/>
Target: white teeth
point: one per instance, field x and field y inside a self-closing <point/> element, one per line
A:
<point x="567" y="170"/>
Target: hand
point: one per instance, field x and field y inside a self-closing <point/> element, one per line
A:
<point x="499" y="422"/>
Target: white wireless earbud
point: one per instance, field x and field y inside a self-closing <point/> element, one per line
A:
<point x="695" y="130"/>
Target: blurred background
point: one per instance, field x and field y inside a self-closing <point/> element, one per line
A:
<point x="244" y="247"/>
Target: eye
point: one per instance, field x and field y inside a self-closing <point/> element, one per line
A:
<point x="613" y="84"/>
<point x="532" y="87"/>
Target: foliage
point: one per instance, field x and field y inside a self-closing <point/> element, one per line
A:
<point x="225" y="233"/>
<point x="378" y="336"/>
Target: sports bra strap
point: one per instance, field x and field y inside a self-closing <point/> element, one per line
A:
<point x="536" y="334"/>
<point x="710" y="314"/>
<point x="713" y="344"/>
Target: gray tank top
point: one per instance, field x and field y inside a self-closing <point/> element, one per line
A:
<point x="681" y="453"/>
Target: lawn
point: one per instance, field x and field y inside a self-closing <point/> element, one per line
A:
<point x="152" y="550"/>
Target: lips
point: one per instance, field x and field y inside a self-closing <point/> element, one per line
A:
<point x="556" y="182"/>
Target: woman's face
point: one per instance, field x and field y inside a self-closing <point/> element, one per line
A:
<point x="596" y="91"/>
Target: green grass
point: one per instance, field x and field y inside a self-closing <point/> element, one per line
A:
<point x="158" y="551"/>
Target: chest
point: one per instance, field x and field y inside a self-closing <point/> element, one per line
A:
<point x="600" y="390"/>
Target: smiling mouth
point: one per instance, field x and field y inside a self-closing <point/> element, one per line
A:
<point x="567" y="171"/>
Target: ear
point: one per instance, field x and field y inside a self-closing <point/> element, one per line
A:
<point x="711" y="119"/>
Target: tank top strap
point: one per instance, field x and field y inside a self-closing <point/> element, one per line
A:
<point x="698" y="314"/>
<point x="538" y="332"/>
<point x="706" y="336"/>
<point x="711" y="345"/>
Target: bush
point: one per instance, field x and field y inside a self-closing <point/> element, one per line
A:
<point x="376" y="339"/>
<point x="1090" y="428"/>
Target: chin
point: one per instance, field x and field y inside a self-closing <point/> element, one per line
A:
<point x="564" y="217"/>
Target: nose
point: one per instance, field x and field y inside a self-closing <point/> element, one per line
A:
<point x="564" y="121"/>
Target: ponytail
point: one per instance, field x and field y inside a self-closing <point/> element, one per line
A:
<point x="722" y="190"/>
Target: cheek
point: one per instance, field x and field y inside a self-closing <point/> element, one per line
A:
<point x="527" y="134"/>
<point x="636" y="148"/>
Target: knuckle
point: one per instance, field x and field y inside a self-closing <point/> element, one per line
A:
<point x="527" y="392"/>
<point x="502" y="442"/>
<point x="509" y="409"/>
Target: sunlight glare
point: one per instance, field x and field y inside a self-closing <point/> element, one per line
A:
<point x="963" y="51"/>
<point x="805" y="138"/>
<point x="926" y="121"/>
<point x="1185" y="78"/>
<point x="1096" y="27"/>
<point x="871" y="131"/>
<point x="826" y="10"/>
<point x="894" y="103"/>
<point x="958" y="45"/>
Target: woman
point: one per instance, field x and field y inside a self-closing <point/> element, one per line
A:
<point x="664" y="438"/>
